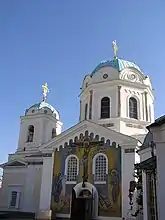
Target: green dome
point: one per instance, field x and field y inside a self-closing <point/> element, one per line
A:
<point x="118" y="64"/>
<point x="42" y="105"/>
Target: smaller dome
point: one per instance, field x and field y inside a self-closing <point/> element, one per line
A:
<point x="43" y="105"/>
<point x="118" y="64"/>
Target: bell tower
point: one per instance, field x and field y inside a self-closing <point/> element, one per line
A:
<point x="39" y="125"/>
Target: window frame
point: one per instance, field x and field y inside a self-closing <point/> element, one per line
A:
<point x="27" y="140"/>
<point x="137" y="107"/>
<point x="66" y="168"/>
<point x="86" y="111"/>
<point x="94" y="168"/>
<point x="54" y="132"/>
<point x="17" y="200"/>
<point x="105" y="107"/>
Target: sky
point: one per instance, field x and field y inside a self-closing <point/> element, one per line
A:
<point x="59" y="42"/>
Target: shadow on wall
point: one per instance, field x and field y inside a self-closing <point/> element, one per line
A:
<point x="0" y="180"/>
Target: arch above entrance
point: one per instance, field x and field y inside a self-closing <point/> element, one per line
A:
<point x="92" y="189"/>
<point x="88" y="186"/>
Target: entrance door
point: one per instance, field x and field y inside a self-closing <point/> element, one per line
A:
<point x="81" y="207"/>
<point x="88" y="208"/>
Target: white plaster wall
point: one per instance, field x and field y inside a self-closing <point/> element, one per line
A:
<point x="84" y="102"/>
<point x="99" y="93"/>
<point x="48" y="125"/>
<point x="29" y="203"/>
<point x="124" y="129"/>
<point x="160" y="152"/>
<point x="32" y="188"/>
<point x="137" y="157"/>
<point x="98" y="77"/>
<point x="46" y="183"/>
<point x="43" y="125"/>
<point x="12" y="177"/>
<point x="37" y="187"/>
<point x="114" y="121"/>
<point x="128" y="161"/>
<point x="25" y="180"/>
<point x="126" y="93"/>
<point x="151" y="104"/>
<point x="109" y="88"/>
<point x="144" y="154"/>
<point x="38" y="131"/>
<point x="59" y="127"/>
<point x="112" y="75"/>
<point x="92" y="128"/>
<point x="159" y="140"/>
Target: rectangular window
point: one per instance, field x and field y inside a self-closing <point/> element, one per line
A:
<point x="90" y="105"/>
<point x="15" y="197"/>
<point x="86" y="111"/>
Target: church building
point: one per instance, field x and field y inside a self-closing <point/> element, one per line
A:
<point x="86" y="169"/>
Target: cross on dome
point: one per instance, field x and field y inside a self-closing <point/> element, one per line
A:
<point x="45" y="91"/>
<point x="115" y="48"/>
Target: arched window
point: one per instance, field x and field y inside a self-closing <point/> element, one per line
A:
<point x="105" y="107"/>
<point x="30" y="135"/>
<point x="71" y="168"/>
<point x="133" y="111"/>
<point x="53" y="132"/>
<point x="100" y="167"/>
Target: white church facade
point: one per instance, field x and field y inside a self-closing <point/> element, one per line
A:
<point x="50" y="168"/>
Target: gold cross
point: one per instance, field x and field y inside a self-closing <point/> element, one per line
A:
<point x="115" y="48"/>
<point x="45" y="91"/>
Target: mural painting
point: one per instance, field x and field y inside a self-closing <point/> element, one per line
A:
<point x="60" y="202"/>
<point x="109" y="193"/>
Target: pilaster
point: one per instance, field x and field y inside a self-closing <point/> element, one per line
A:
<point x="29" y="203"/>
<point x="46" y="188"/>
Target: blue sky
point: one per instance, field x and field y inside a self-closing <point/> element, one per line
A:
<point x="59" y="41"/>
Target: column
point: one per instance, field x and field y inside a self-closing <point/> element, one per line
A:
<point x="146" y="105"/>
<point x="46" y="188"/>
<point x="143" y="106"/>
<point x="119" y="102"/>
<point x="80" y="112"/>
<point x="145" y="208"/>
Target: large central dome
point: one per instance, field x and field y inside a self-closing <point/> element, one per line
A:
<point x="116" y="63"/>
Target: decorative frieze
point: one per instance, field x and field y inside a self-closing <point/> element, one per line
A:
<point x="108" y="125"/>
<point x="134" y="126"/>
<point x="129" y="150"/>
